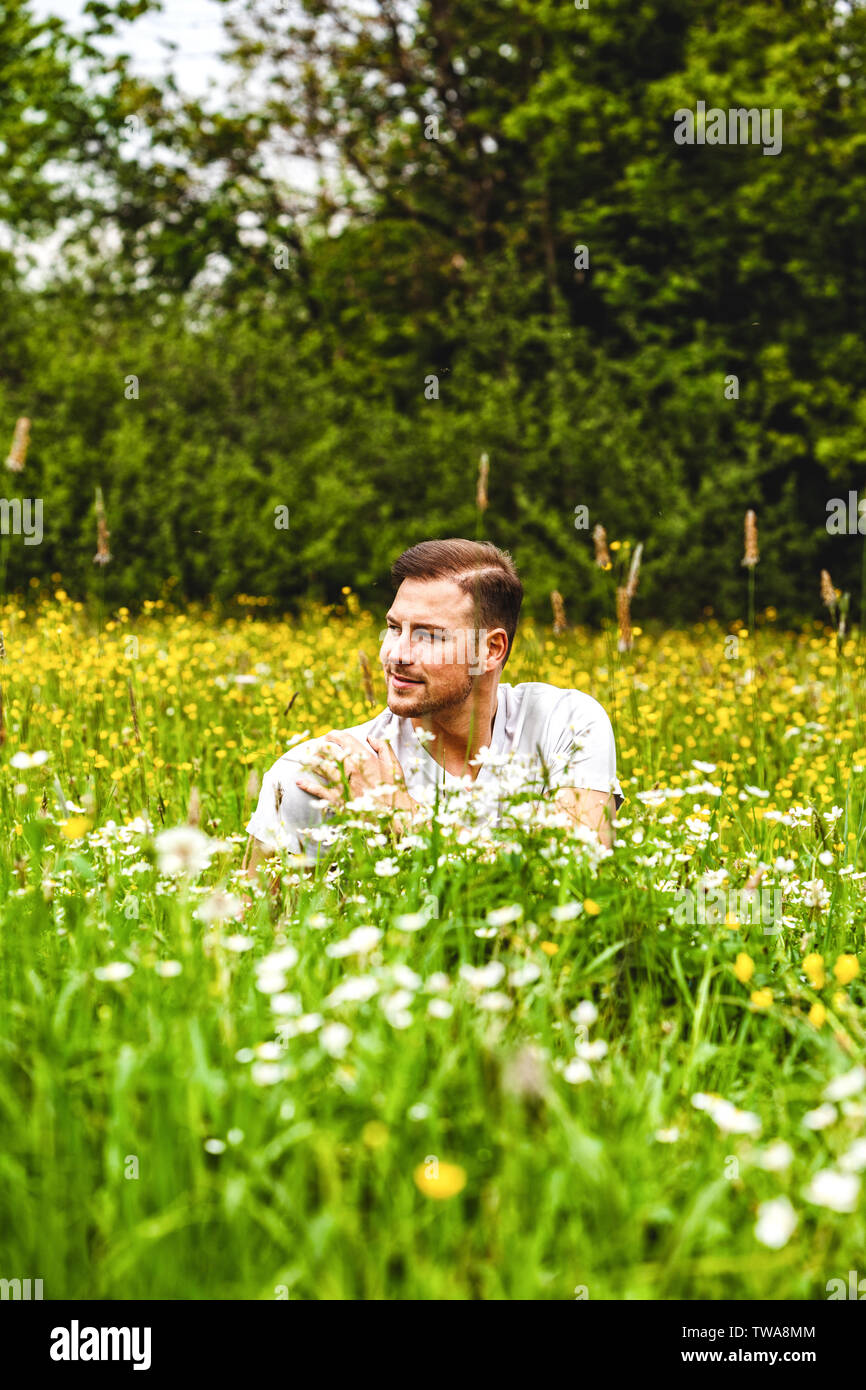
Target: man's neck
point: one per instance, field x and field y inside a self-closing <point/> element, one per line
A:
<point x="459" y="733"/>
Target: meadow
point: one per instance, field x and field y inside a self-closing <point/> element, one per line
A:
<point x="458" y="1065"/>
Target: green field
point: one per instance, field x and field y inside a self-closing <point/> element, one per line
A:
<point x="526" y="1076"/>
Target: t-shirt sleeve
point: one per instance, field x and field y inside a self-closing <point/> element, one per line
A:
<point x="266" y="823"/>
<point x="580" y="749"/>
<point x="283" y="809"/>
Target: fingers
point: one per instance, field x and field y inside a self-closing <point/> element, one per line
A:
<point x="350" y="755"/>
<point x="348" y="742"/>
<point x="334" y="756"/>
<point x="309" y="784"/>
<point x="325" y="767"/>
<point x="388" y="759"/>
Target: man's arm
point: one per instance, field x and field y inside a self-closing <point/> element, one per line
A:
<point x="322" y="780"/>
<point x="593" y="809"/>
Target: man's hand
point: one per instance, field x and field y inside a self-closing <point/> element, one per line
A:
<point x="366" y="770"/>
<point x="593" y="809"/>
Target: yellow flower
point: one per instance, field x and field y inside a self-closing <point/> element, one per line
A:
<point x="846" y="969"/>
<point x="813" y="966"/>
<point x="590" y="907"/>
<point x="761" y="998"/>
<point x="75" y="827"/>
<point x="744" y="968"/>
<point x="549" y="948"/>
<point x="375" y="1134"/>
<point x="817" y="1015"/>
<point x="438" y="1179"/>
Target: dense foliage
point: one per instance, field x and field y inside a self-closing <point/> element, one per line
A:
<point x="284" y="339"/>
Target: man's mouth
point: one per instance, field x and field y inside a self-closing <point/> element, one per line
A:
<point x="403" y="682"/>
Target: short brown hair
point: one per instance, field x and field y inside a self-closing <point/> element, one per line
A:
<point x="483" y="572"/>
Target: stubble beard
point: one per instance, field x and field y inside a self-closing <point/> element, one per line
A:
<point x="417" y="707"/>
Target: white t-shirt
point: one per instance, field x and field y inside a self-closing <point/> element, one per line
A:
<point x="536" y="726"/>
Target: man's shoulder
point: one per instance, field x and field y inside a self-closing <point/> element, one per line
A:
<point x="302" y="750"/>
<point x="545" y="698"/>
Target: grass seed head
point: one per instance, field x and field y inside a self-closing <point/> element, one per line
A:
<point x="623" y="619"/>
<point x="750" y="529"/>
<point x="559" y="621"/>
<point x="602" y="554"/>
<point x="828" y="593"/>
<point x="481" y="491"/>
<point x="18" y="452"/>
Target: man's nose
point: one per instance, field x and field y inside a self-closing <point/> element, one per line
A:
<point x="403" y="651"/>
<point x="398" y="647"/>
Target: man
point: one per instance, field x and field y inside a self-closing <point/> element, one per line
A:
<point x="449" y="633"/>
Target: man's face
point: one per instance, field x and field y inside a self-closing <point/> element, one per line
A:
<point x="431" y="648"/>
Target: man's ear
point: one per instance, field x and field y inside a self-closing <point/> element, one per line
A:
<point x="497" y="647"/>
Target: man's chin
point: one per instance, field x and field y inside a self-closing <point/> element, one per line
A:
<point x="415" y="703"/>
<point x="407" y="702"/>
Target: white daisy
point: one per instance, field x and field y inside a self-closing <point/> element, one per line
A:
<point x="335" y="1038"/>
<point x="777" y="1157"/>
<point x="837" y="1191"/>
<point x="29" y="760"/>
<point x="117" y="970"/>
<point x="820" y="1118"/>
<point x="353" y="991"/>
<point x="183" y="850"/>
<point x="854" y="1159"/>
<point x="776" y="1223"/>
<point x="502" y="916"/>
<point x="219" y="906"/>
<point x="357" y="943"/>
<point x="484" y="976"/>
<point x="586" y="1013"/>
<point x="667" y="1136"/>
<point x="494" y="1001"/>
<point x="848" y="1084"/>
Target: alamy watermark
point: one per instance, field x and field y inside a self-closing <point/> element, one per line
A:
<point x="24" y="1289"/>
<point x="717" y="906"/>
<point x="77" y="1343"/>
<point x="22" y="517"/>
<point x="855" y="1288"/>
<point x="465" y="646"/>
<point x="847" y="518"/>
<point x="738" y="126"/>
